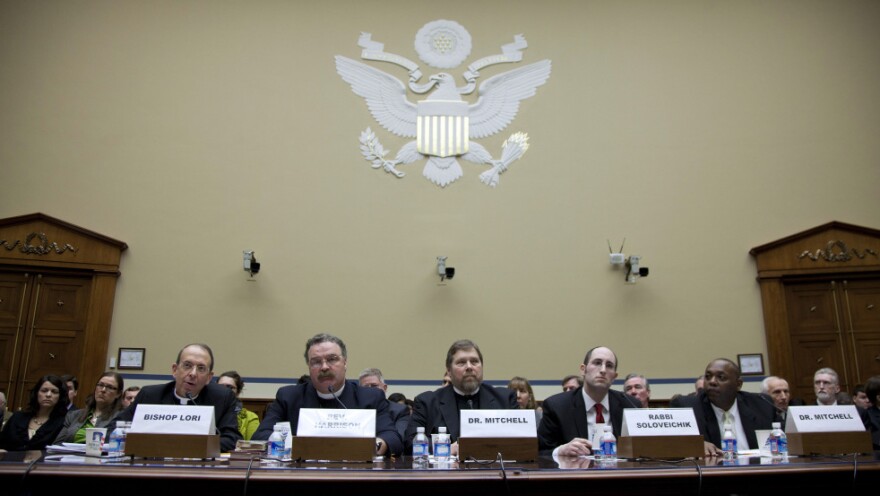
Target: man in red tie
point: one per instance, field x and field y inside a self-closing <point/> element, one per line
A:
<point x="572" y="418"/>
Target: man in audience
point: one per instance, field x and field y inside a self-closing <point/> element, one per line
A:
<point x="72" y="387"/>
<point x="192" y="373"/>
<point x="372" y="378"/>
<point x="442" y="407"/>
<point x="826" y="385"/>
<point x="698" y="385"/>
<point x="571" y="382"/>
<point x="4" y="413"/>
<point x="721" y="401"/>
<point x="327" y="359"/>
<point x="571" y="418"/>
<point x="859" y="397"/>
<point x="446" y="380"/>
<point x="636" y="385"/>
<point x="129" y="395"/>
<point x="776" y="389"/>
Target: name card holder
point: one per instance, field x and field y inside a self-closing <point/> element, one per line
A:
<point x="348" y="449"/>
<point x="663" y="447"/>
<point x="519" y="449"/>
<point x="157" y="445"/>
<point x="829" y="443"/>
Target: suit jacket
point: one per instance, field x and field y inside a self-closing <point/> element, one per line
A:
<point x="874" y="425"/>
<point x="565" y="417"/>
<point x="14" y="436"/>
<point x="400" y="416"/>
<point x="433" y="409"/>
<point x="222" y="399"/>
<point x="755" y="412"/>
<point x="289" y="399"/>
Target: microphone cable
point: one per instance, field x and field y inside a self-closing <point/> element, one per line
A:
<point x="498" y="459"/>
<point x="678" y="461"/>
<point x="27" y="472"/>
<point x="247" y="474"/>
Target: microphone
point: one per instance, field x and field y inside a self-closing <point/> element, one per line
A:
<point x="330" y="390"/>
<point x="189" y="396"/>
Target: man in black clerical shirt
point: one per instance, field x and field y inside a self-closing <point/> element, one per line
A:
<point x="327" y="359"/>
<point x="442" y="407"/>
<point x="191" y="386"/>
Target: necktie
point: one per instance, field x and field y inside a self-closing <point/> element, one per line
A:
<point x="728" y="418"/>
<point x="600" y="419"/>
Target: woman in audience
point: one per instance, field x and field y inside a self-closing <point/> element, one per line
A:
<point x="36" y="426"/>
<point x="100" y="408"/>
<point x="525" y="398"/>
<point x="248" y="421"/>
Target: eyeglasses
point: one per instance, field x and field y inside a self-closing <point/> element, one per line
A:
<point x="106" y="387"/>
<point x="332" y="361"/>
<point x="187" y="367"/>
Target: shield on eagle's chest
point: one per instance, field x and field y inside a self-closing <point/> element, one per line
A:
<point x="442" y="128"/>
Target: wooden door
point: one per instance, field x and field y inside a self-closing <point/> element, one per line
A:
<point x="833" y="323"/>
<point x="57" y="286"/>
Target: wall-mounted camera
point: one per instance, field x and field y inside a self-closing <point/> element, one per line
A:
<point x="634" y="270"/>
<point x="444" y="271"/>
<point x="251" y="266"/>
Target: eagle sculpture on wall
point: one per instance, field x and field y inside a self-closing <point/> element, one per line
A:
<point x="443" y="124"/>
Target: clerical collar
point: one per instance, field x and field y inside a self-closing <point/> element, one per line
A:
<point x="184" y="401"/>
<point x="460" y="393"/>
<point x="330" y="396"/>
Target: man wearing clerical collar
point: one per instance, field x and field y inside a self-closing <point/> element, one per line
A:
<point x="327" y="359"/>
<point x="442" y="407"/>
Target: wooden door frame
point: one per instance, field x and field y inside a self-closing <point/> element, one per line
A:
<point x="38" y="242"/>
<point x="835" y="250"/>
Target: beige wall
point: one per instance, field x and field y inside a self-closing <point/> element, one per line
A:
<point x="194" y="130"/>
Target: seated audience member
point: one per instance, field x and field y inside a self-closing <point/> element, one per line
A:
<point x="843" y="398"/>
<point x="327" y="387"/>
<point x="826" y="385"/>
<point x="129" y="395"/>
<point x="192" y="374"/>
<point x="446" y="380"/>
<point x="571" y="382"/>
<point x="397" y="398"/>
<point x="722" y="401"/>
<point x="38" y="424"/>
<point x="442" y="407"/>
<point x="776" y="391"/>
<point x="4" y="413"/>
<point x="372" y="378"/>
<point x="303" y="379"/>
<point x="525" y="397"/>
<point x="636" y="385"/>
<point x="872" y="391"/>
<point x="248" y="421"/>
<point x="859" y="397"/>
<point x="72" y="388"/>
<point x="571" y="418"/>
<point x="698" y="385"/>
<point x="99" y="409"/>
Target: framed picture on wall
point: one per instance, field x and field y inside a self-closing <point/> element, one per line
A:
<point x="751" y="364"/>
<point x="131" y="358"/>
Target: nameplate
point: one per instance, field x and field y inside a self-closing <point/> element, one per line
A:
<point x="659" y="422"/>
<point x="814" y="418"/>
<point x="173" y="419"/>
<point x="498" y="423"/>
<point x="336" y="422"/>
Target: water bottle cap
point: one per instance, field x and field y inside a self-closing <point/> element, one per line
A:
<point x="420" y="430"/>
<point x="607" y="428"/>
<point x="441" y="430"/>
<point x="777" y="425"/>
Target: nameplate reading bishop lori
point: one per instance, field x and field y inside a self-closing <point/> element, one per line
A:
<point x="838" y="418"/>
<point x="659" y="422"/>
<point x="498" y="423"/>
<point x="173" y="419"/>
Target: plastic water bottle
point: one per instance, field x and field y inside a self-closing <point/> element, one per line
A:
<point x="116" y="441"/>
<point x="420" y="446"/>
<point x="609" y="444"/>
<point x="276" y="442"/>
<point x="728" y="442"/>
<point x="778" y="441"/>
<point x="442" y="446"/>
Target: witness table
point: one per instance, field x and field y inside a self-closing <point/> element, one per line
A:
<point x="31" y="473"/>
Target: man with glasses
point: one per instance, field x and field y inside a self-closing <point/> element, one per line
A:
<point x="327" y="359"/>
<point x="373" y="378"/>
<point x="192" y="373"/>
